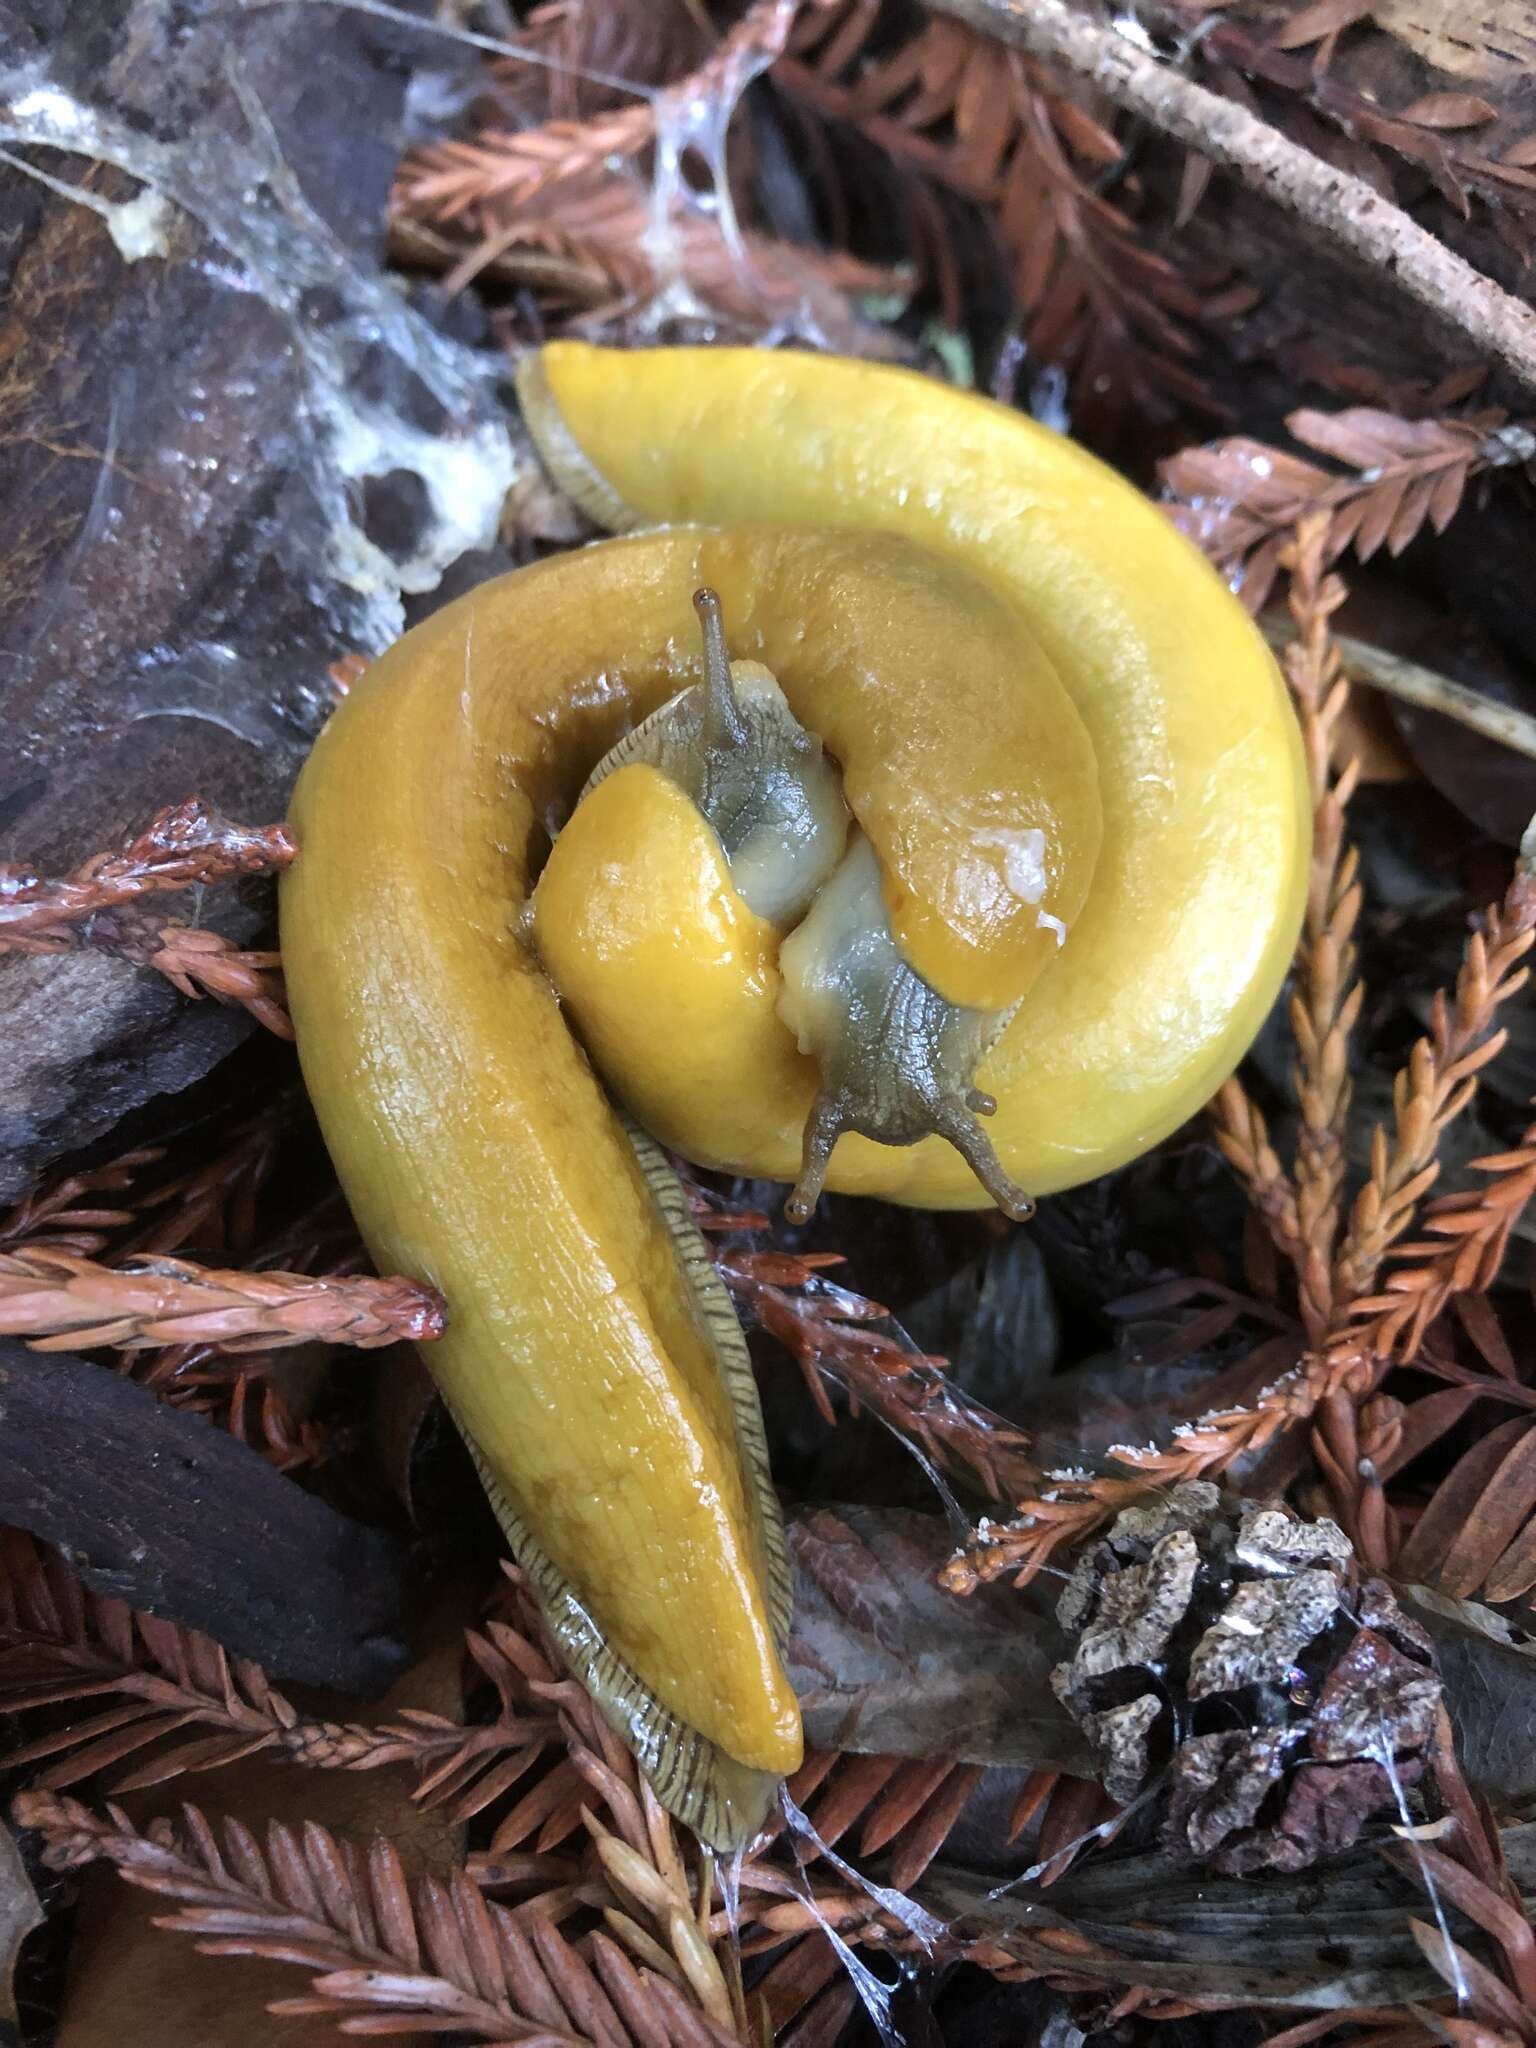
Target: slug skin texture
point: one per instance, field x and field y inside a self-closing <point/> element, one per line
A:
<point x="1163" y="978"/>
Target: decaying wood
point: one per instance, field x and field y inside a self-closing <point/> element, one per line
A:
<point x="1338" y="204"/>
<point x="169" y="1513"/>
<point x="170" y="588"/>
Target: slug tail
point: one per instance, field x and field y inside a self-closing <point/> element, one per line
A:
<point x="717" y="1314"/>
<point x="724" y="1801"/>
<point x="562" y="455"/>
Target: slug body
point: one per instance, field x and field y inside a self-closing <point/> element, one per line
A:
<point x="1182" y="943"/>
<point x="1000" y="774"/>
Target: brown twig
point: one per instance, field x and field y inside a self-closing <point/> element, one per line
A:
<point x="828" y="1330"/>
<point x="185" y="845"/>
<point x="1411" y="683"/>
<point x="1441" y="134"/>
<point x="59" y="1302"/>
<point x="1327" y="999"/>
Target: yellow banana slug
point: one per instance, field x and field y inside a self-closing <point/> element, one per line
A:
<point x="911" y="812"/>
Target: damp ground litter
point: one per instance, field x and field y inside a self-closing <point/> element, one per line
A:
<point x="1162" y="1566"/>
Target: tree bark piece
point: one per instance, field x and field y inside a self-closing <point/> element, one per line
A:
<point x="226" y="460"/>
<point x="166" y="1511"/>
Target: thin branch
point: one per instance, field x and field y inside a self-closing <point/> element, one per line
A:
<point x="1351" y="213"/>
<point x="1411" y="683"/>
<point x="59" y="1302"/>
<point x="830" y="1331"/>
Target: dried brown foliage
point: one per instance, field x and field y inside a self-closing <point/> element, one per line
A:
<point x="1354" y="1328"/>
<point x="604" y="1925"/>
<point x="385" y="1954"/>
<point x="567" y="207"/>
<point x="1465" y="1869"/>
<point x="582" y="204"/>
<point x="953" y="111"/>
<point x="834" y="1334"/>
<point x="183" y="845"/>
<point x="1242" y="499"/>
<point x="1314" y="58"/>
<point x="58" y="1301"/>
<point x="577" y="1843"/>
<point x="61" y="1643"/>
<point x="186" y="845"/>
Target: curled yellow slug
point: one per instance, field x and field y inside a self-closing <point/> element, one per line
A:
<point x="902" y="807"/>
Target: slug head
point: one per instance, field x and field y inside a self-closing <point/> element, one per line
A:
<point x="894" y="1059"/>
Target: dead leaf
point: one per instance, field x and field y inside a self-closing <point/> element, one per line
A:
<point x="1502" y="1510"/>
<point x="19" y="1914"/>
<point x="131" y="1986"/>
<point x="1326" y="18"/>
<point x="1457" y="1501"/>
<point x="1449" y="110"/>
<point x="1490" y="1692"/>
<point x="885" y="1662"/>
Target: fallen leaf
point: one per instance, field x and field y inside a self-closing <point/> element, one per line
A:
<point x="1326" y="18"/>
<point x="1449" y="110"/>
<point x="1490" y="1691"/>
<point x="885" y="1662"/>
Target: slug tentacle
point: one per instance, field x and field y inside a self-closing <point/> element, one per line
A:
<point x="723" y="726"/>
<point x="762" y="781"/>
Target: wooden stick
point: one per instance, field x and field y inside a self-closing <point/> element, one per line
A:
<point x="1412" y="684"/>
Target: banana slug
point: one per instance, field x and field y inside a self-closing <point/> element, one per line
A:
<point x="969" y="877"/>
